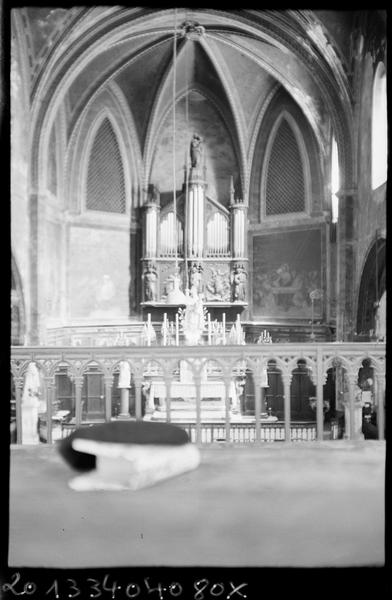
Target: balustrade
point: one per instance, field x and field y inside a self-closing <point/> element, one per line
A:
<point x="161" y="364"/>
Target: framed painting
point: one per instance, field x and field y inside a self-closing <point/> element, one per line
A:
<point x="287" y="275"/>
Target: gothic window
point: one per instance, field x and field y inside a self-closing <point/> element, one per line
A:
<point x="284" y="172"/>
<point x="105" y="178"/>
<point x="379" y="128"/>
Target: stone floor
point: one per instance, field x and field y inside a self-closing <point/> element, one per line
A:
<point x="300" y="505"/>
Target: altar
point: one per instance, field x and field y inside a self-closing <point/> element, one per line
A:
<point x="183" y="399"/>
<point x="183" y="396"/>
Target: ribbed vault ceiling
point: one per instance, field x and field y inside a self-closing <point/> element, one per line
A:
<point x="242" y="57"/>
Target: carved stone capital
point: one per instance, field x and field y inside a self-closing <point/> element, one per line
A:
<point x="50" y="381"/>
<point x="78" y="381"/>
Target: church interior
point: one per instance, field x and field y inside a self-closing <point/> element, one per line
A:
<point x="198" y="234"/>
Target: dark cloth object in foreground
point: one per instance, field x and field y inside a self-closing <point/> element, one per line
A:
<point x="370" y="431"/>
<point x="120" y="432"/>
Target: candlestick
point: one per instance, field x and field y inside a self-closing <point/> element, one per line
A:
<point x="209" y="328"/>
<point x="224" y="327"/>
<point x="177" y="332"/>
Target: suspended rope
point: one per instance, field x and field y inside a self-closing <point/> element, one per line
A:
<point x="174" y="140"/>
<point x="186" y="163"/>
<point x="186" y="88"/>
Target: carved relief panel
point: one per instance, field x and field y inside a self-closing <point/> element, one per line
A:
<point x="217" y="282"/>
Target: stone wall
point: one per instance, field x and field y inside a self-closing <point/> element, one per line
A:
<point x="221" y="163"/>
<point x="98" y="273"/>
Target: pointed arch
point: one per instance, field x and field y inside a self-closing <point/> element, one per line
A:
<point x="264" y="26"/>
<point x="281" y="106"/>
<point x="51" y="176"/>
<point x="372" y="286"/>
<point x="232" y="111"/>
<point x="107" y="104"/>
<point x="105" y="183"/>
<point x="285" y="178"/>
<point x="379" y="128"/>
<point x="162" y="117"/>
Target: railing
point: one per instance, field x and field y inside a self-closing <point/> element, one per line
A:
<point x="214" y="432"/>
<point x="246" y="433"/>
<point x="231" y="361"/>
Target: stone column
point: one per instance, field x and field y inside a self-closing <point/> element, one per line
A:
<point x="380" y="383"/>
<point x="124" y="383"/>
<point x="287" y="405"/>
<point x="124" y="404"/>
<point x="18" y="408"/>
<point x="227" y="383"/>
<point x="327" y="216"/>
<point x="138" y="379"/>
<point x="168" y="382"/>
<point x="346" y="252"/>
<point x="197" y="382"/>
<point x="108" y="381"/>
<point x="38" y="269"/>
<point x="319" y="394"/>
<point x="353" y="411"/>
<point x="78" y="381"/>
<point x="257" y="382"/>
<point x="50" y="389"/>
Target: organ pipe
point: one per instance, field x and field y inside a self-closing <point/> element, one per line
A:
<point x="238" y="224"/>
<point x="151" y="230"/>
<point x="201" y="221"/>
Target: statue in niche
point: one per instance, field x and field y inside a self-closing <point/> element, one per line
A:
<point x="239" y="284"/>
<point x="150" y="283"/>
<point x="195" y="278"/>
<point x="153" y="193"/>
<point x="218" y="288"/>
<point x="196" y="150"/>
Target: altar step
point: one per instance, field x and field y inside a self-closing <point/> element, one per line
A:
<point x="217" y="416"/>
<point x="191" y="405"/>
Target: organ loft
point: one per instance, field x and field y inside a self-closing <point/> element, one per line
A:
<point x="194" y="245"/>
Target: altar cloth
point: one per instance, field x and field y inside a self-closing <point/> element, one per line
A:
<point x="310" y="504"/>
